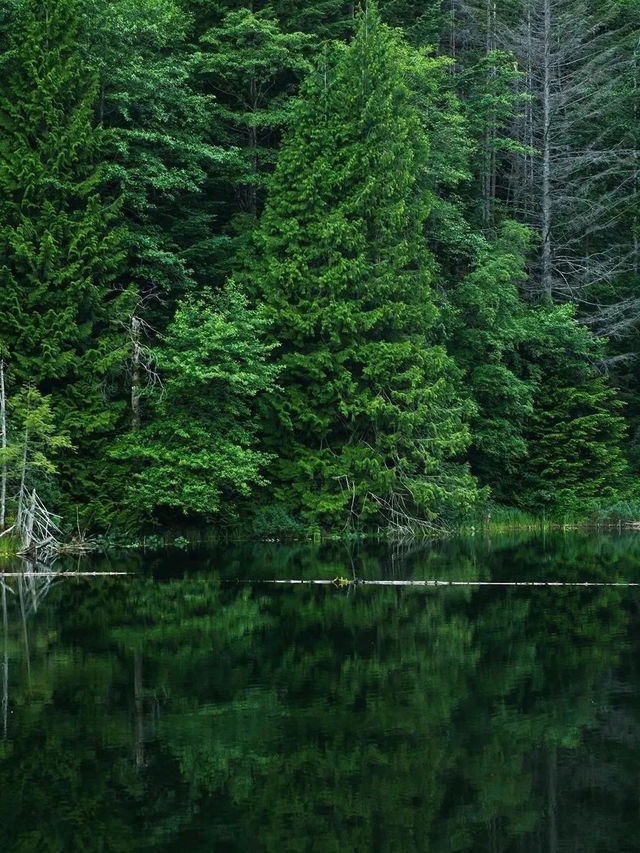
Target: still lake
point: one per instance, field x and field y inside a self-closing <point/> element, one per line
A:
<point x="188" y="706"/>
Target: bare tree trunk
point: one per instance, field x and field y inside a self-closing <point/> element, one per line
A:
<point x="546" y="159"/>
<point x="529" y="162"/>
<point x="23" y="475"/>
<point x="452" y="36"/>
<point x="636" y="166"/>
<point x="3" y="447"/>
<point x="27" y="529"/>
<point x="136" y="354"/>
<point x="489" y="178"/>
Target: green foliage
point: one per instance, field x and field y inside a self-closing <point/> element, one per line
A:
<point x="198" y="453"/>
<point x="489" y="324"/>
<point x="138" y="142"/>
<point x="621" y="512"/>
<point x="160" y="151"/>
<point x="252" y="68"/>
<point x="34" y="441"/>
<point x="369" y="421"/>
<point x="422" y="21"/>
<point x="576" y="431"/>
<point x="326" y="19"/>
<point x="274" y="522"/>
<point x="61" y="246"/>
<point x="32" y="422"/>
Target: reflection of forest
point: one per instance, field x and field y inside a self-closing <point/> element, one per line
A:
<point x="190" y="714"/>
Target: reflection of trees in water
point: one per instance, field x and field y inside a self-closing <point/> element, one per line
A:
<point x="30" y="584"/>
<point x="5" y="660"/>
<point x="208" y="716"/>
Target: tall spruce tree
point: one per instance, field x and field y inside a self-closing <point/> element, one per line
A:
<point x="60" y="244"/>
<point x="575" y="434"/>
<point x="489" y="325"/>
<point x="370" y="420"/>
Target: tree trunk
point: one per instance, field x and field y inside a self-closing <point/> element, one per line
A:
<point x="529" y="133"/>
<point x="636" y="166"/>
<point x="136" y="353"/>
<point x="27" y="530"/>
<point x="489" y="181"/>
<point x="547" y="286"/>
<point x="23" y="477"/>
<point x="452" y="36"/>
<point x="3" y="447"/>
<point x="253" y="142"/>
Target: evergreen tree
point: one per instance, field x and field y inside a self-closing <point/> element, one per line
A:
<point x="198" y="452"/>
<point x="369" y="421"/>
<point x="33" y="445"/>
<point x="61" y="248"/>
<point x="326" y="19"/>
<point x="422" y="21"/>
<point x="252" y="69"/>
<point x="164" y="149"/>
<point x="575" y="434"/>
<point x="488" y="327"/>
<point x="477" y="278"/>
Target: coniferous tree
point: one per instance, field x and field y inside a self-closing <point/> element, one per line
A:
<point x="489" y="325"/>
<point x="32" y="447"/>
<point x="252" y="69"/>
<point x="61" y="247"/>
<point x="198" y="454"/>
<point x="422" y="21"/>
<point x="164" y="146"/>
<point x="369" y="421"/>
<point x="326" y="19"/>
<point x="575" y="434"/>
<point x="477" y="277"/>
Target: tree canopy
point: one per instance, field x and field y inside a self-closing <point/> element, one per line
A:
<point x="342" y="268"/>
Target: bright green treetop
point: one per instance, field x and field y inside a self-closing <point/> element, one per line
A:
<point x="198" y="454"/>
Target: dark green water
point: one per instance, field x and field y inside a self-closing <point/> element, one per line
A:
<point x="172" y="710"/>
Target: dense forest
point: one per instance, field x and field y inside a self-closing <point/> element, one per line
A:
<point x="308" y="266"/>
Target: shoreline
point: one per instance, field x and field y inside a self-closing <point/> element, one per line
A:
<point x="10" y="548"/>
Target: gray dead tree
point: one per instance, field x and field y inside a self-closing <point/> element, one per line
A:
<point x="3" y="448"/>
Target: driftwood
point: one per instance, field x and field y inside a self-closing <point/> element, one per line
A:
<point x="342" y="583"/>
<point x="39" y="534"/>
<point x="37" y="528"/>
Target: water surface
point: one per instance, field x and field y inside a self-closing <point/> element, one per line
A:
<point x="190" y="707"/>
